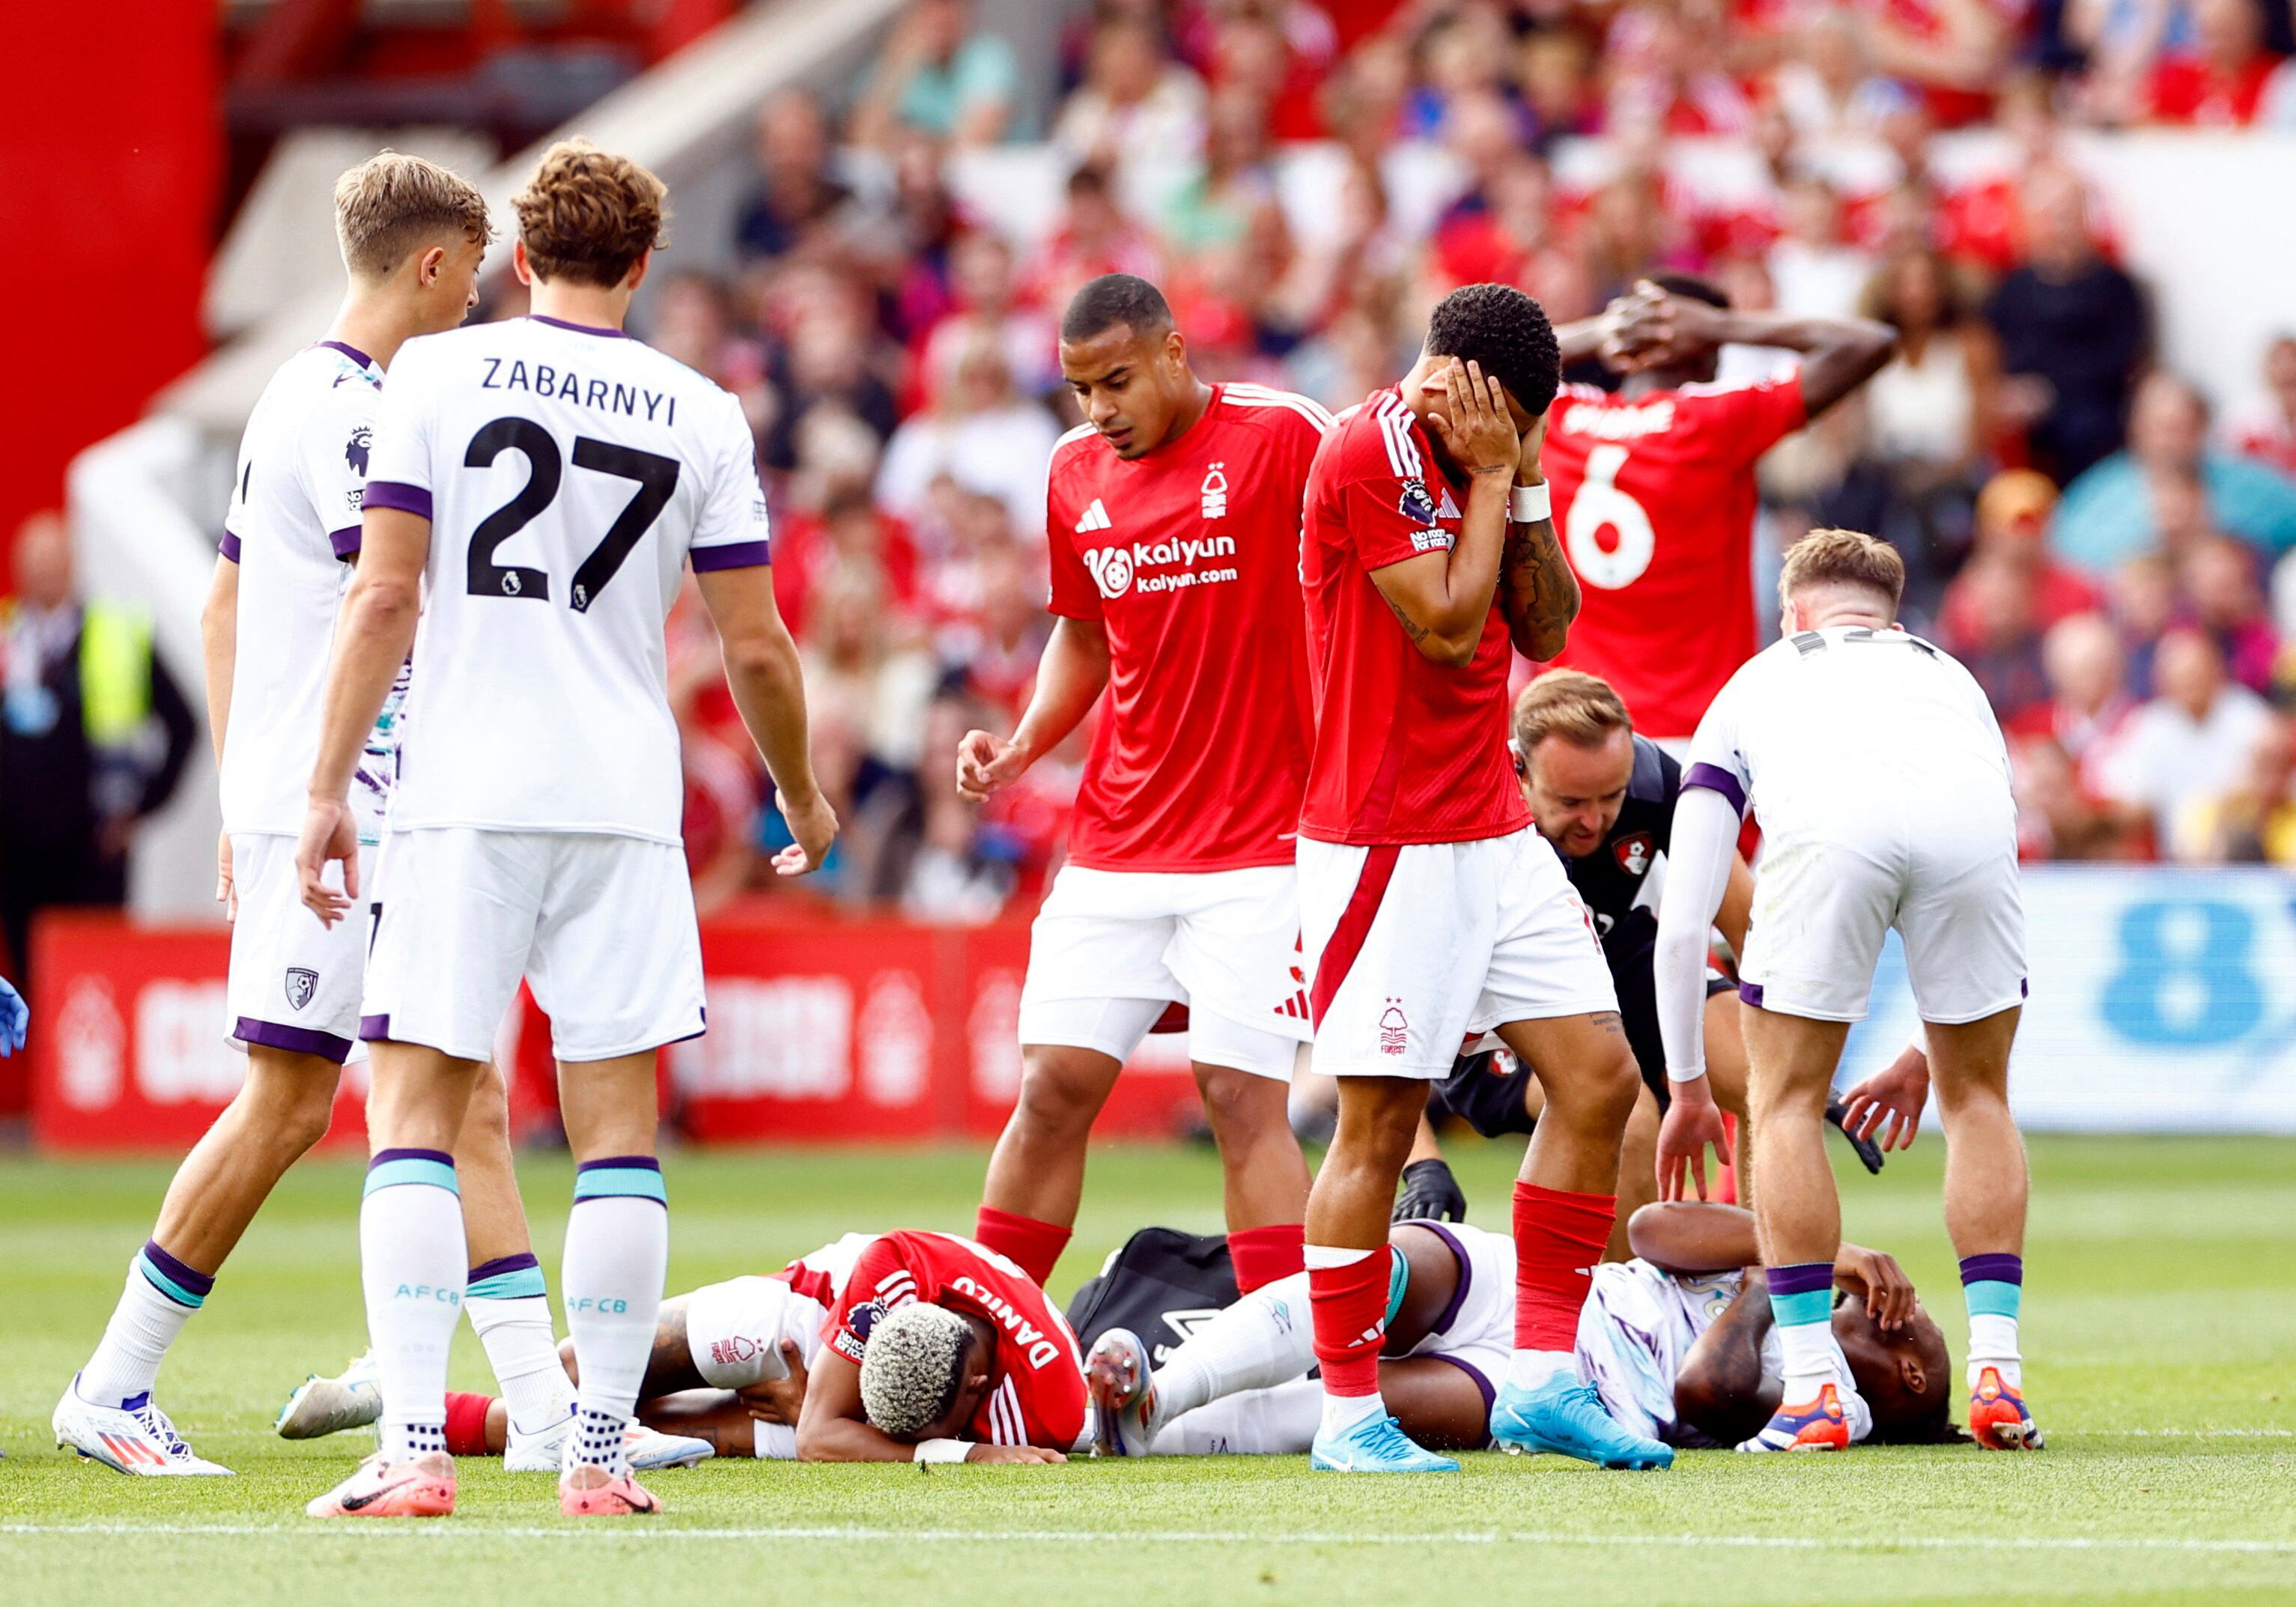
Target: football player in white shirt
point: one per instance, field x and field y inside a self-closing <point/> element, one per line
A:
<point x="535" y="490"/>
<point x="412" y="236"/>
<point x="1879" y="776"/>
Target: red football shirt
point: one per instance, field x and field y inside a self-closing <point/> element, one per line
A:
<point x="1036" y="1383"/>
<point x="1189" y="558"/>
<point x="1407" y="750"/>
<point x="1654" y="501"/>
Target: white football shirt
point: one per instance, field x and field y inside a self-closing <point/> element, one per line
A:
<point x="568" y="473"/>
<point x="293" y="525"/>
<point x="1635" y="1331"/>
<point x="1839" y="735"/>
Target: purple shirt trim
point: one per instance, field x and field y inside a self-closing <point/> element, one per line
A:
<point x="579" y="329"/>
<point x="1450" y="1313"/>
<point x="501" y="1263"/>
<point x="732" y="555"/>
<point x="352" y="352"/>
<point x="228" y="546"/>
<point x="396" y="494"/>
<point x="1490" y="1396"/>
<point x="1713" y="777"/>
<point x="1751" y="993"/>
<point x="298" y="1040"/>
<point x="345" y="541"/>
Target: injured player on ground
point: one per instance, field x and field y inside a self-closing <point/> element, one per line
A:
<point x="879" y="1348"/>
<point x="1677" y="1343"/>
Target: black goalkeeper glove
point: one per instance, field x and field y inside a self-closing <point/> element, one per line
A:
<point x="1868" y="1152"/>
<point x="1430" y="1194"/>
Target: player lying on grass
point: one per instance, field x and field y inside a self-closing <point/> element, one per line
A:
<point x="899" y="1347"/>
<point x="1679" y="1343"/>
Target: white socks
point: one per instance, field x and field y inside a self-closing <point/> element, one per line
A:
<point x="1280" y="1421"/>
<point x="617" y="1254"/>
<point x="1529" y="1369"/>
<point x="1993" y="1343"/>
<point x="142" y="1325"/>
<point x="1268" y="1338"/>
<point x="412" y="1263"/>
<point x="1343" y="1412"/>
<point x="1811" y="1358"/>
<point x="523" y="1348"/>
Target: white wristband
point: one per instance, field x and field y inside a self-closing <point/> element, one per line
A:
<point x="1674" y="1076"/>
<point x="1528" y="504"/>
<point x="943" y="1451"/>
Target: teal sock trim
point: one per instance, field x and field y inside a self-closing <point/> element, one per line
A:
<point x="627" y="1181"/>
<point x="1398" y="1280"/>
<point x="1989" y="1297"/>
<point x="519" y="1285"/>
<point x="390" y="1173"/>
<point x="166" y="1285"/>
<point x="1801" y="1310"/>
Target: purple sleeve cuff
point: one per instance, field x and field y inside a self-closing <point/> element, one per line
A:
<point x="346" y="541"/>
<point x="731" y="556"/>
<point x="398" y="494"/>
<point x="229" y="546"/>
<point x="1715" y="778"/>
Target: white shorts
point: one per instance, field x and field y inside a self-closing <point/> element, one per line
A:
<point x="734" y="1330"/>
<point x="1111" y="950"/>
<point x="294" y="983"/>
<point x="1475" y="1333"/>
<point x="1415" y="950"/>
<point x="1821" y="911"/>
<point x="601" y="928"/>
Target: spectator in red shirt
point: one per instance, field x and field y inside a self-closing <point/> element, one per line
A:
<point x="2217" y="575"/>
<point x="2088" y="700"/>
<point x="2012" y="523"/>
<point x="2222" y="82"/>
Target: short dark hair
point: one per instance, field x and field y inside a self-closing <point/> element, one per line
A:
<point x="1115" y="298"/>
<point x="1507" y="334"/>
<point x="1692" y="286"/>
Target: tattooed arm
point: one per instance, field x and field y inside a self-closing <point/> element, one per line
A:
<point x="1537" y="589"/>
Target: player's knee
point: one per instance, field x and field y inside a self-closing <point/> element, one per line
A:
<point x="1241" y="1107"/>
<point x="1601" y="1093"/>
<point x="1062" y="1091"/>
<point x="290" y="1107"/>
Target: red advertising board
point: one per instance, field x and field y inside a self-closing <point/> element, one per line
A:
<point x="821" y="1030"/>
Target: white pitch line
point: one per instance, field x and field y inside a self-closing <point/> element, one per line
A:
<point x="480" y="1530"/>
<point x="2189" y="1433"/>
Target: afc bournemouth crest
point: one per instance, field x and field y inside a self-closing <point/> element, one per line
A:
<point x="1634" y="853"/>
<point x="301" y="984"/>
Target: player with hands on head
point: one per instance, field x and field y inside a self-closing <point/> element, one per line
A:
<point x="1173" y="523"/>
<point x="538" y="529"/>
<point x="1431" y="911"/>
<point x="1654" y="489"/>
<point x="1826" y="734"/>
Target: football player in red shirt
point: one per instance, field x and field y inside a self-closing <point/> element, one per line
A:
<point x="1654" y="492"/>
<point x="1173" y="517"/>
<point x="898" y="1346"/>
<point x="1432" y="913"/>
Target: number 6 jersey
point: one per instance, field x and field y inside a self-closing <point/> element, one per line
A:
<point x="568" y="473"/>
<point x="1654" y="503"/>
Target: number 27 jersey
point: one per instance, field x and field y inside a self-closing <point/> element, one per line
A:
<point x="568" y="474"/>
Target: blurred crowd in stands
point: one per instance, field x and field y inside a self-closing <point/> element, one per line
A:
<point x="2078" y="525"/>
<point x="2100" y="544"/>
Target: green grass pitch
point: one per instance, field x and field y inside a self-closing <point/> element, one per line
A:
<point x="2161" y="1322"/>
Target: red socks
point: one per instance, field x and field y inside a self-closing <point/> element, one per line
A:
<point x="1034" y="1246"/>
<point x="466" y="1423"/>
<point x="1262" y="1255"/>
<point x="1349" y="1307"/>
<point x="1559" y="1236"/>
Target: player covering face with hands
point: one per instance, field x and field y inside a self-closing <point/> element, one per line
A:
<point x="1431" y="912"/>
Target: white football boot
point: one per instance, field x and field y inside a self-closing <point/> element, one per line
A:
<point x="351" y="1399"/>
<point x="543" y="1451"/>
<point x="134" y="1438"/>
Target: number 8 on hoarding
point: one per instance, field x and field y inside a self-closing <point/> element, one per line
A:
<point x="1599" y="503"/>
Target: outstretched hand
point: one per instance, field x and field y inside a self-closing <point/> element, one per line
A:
<point x="1693" y="1122"/>
<point x="1898" y="1092"/>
